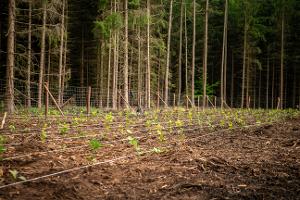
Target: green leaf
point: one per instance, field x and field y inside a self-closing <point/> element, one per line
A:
<point x="14" y="173"/>
<point x="95" y="144"/>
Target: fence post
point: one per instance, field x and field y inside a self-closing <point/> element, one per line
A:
<point x="174" y="100"/>
<point x="157" y="103"/>
<point x="88" y="100"/>
<point x="215" y="98"/>
<point x="278" y="103"/>
<point x="46" y="101"/>
<point x="198" y="103"/>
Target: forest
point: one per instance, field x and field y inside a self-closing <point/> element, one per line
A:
<point x="243" y="53"/>
<point x="149" y="99"/>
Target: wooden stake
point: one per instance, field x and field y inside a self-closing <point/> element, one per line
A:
<point x="3" y="120"/>
<point x="187" y="102"/>
<point x="88" y="100"/>
<point x="157" y="103"/>
<point x="174" y="100"/>
<point x="278" y="103"/>
<point x="54" y="101"/>
<point x="124" y="99"/>
<point x="64" y="104"/>
<point x="162" y="100"/>
<point x="46" y="101"/>
<point x="215" y="99"/>
<point x="198" y="103"/>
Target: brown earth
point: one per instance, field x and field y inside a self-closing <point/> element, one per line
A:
<point x="253" y="163"/>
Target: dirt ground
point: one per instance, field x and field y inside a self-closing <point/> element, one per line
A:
<point x="254" y="163"/>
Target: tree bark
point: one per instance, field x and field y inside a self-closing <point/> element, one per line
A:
<point x="186" y="54"/>
<point x="282" y="63"/>
<point x="268" y="78"/>
<point x="205" y="55"/>
<point x="180" y="55"/>
<point x="61" y="53"/>
<point x="224" y="56"/>
<point x="29" y="55"/>
<point x="193" y="52"/>
<point x="166" y="95"/>
<point x="42" y="58"/>
<point x="148" y="93"/>
<point x="244" y="64"/>
<point x="10" y="57"/>
<point x="126" y="96"/>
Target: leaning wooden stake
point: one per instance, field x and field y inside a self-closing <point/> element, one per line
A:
<point x="54" y="101"/>
<point x="88" y="101"/>
<point x="127" y="103"/>
<point x="162" y="100"/>
<point x="3" y="120"/>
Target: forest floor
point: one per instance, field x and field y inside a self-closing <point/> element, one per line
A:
<point x="259" y="160"/>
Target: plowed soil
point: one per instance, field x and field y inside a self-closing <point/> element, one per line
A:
<point x="253" y="163"/>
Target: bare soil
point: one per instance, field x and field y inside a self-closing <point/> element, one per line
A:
<point x="253" y="163"/>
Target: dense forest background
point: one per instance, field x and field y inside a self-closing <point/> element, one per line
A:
<point x="244" y="52"/>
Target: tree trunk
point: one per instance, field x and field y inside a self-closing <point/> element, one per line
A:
<point x="61" y="53"/>
<point x="28" y="88"/>
<point x="108" y="73"/>
<point x="193" y="52"/>
<point x="259" y="90"/>
<point x="268" y="78"/>
<point x="232" y="81"/>
<point x="82" y="60"/>
<point x="244" y="64"/>
<point x="139" y="68"/>
<point x="224" y="56"/>
<point x="205" y="55"/>
<point x="273" y="85"/>
<point x="42" y="58"/>
<point x="63" y="81"/>
<point x="148" y="93"/>
<point x="282" y="63"/>
<point x="115" y="71"/>
<point x="180" y="55"/>
<point x="10" y="57"/>
<point x="294" y="88"/>
<point x="166" y="95"/>
<point x="49" y="61"/>
<point x="126" y="96"/>
<point x="186" y="54"/>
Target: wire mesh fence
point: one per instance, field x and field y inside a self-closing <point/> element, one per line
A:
<point x="74" y="97"/>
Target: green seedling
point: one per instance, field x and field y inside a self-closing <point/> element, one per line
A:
<point x="157" y="150"/>
<point x="134" y="142"/>
<point x="95" y="144"/>
<point x="64" y="128"/>
<point x="44" y="135"/>
<point x="2" y="142"/>
<point x="15" y="175"/>
<point x="160" y="133"/>
<point x="12" y="128"/>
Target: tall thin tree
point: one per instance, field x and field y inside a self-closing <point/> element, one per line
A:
<point x="180" y="54"/>
<point x="28" y="88"/>
<point x="126" y="96"/>
<point x="148" y="84"/>
<point x="42" y="58"/>
<point x="205" y="54"/>
<point x="166" y="92"/>
<point x="10" y="56"/>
